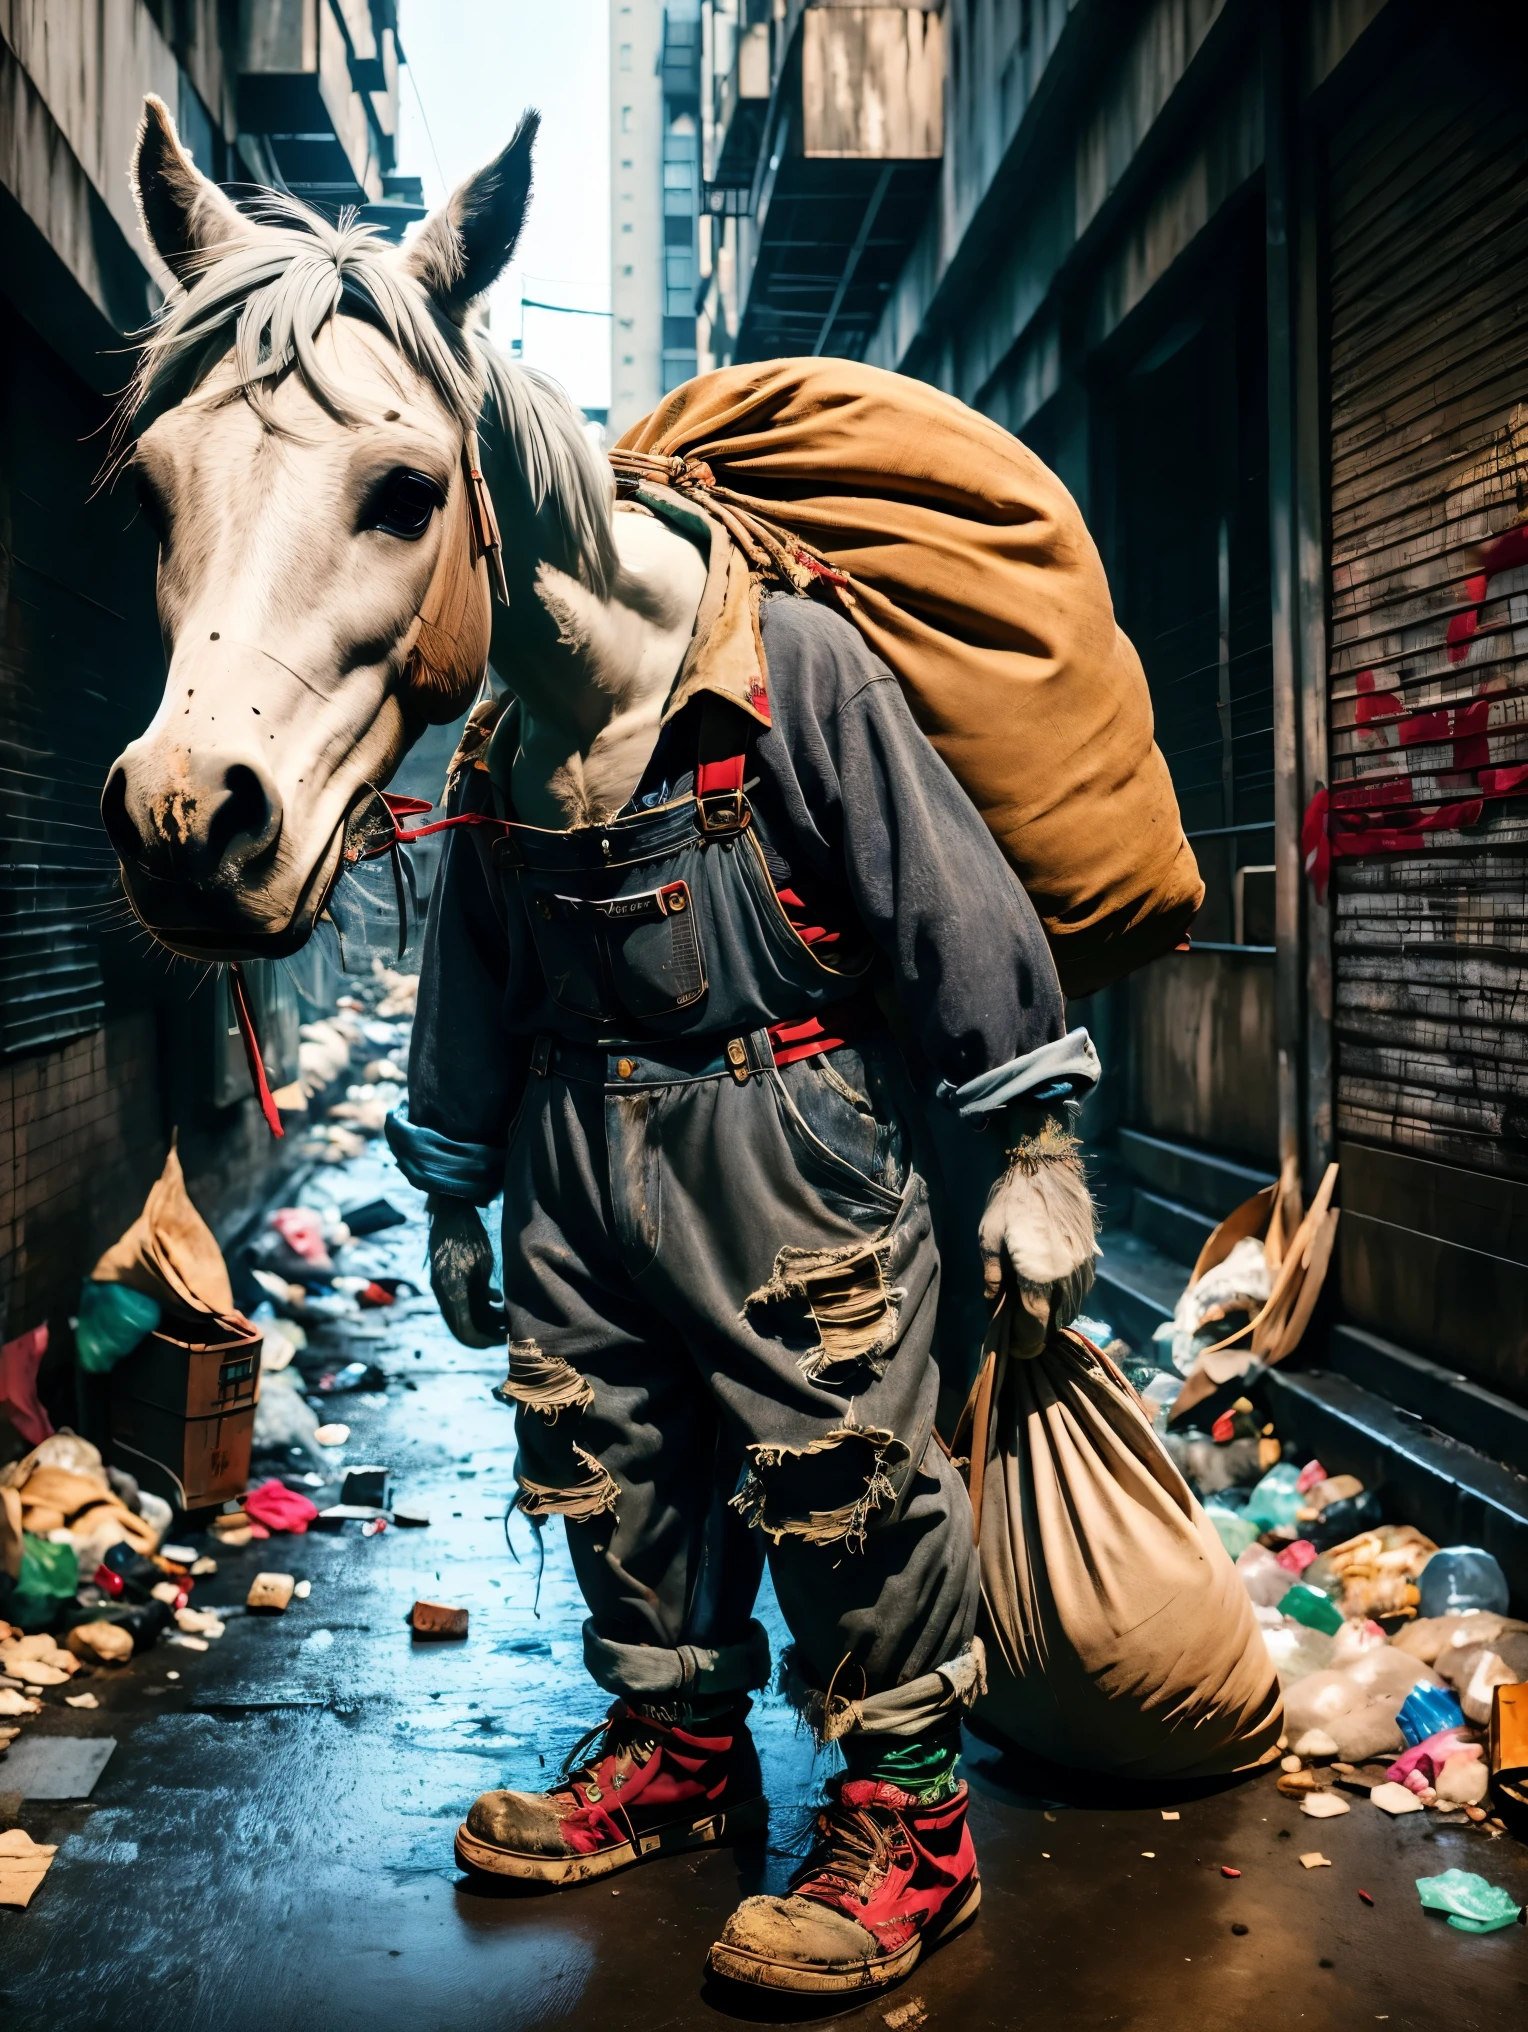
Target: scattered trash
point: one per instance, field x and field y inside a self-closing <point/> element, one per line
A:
<point x="1315" y="1745"/>
<point x="101" y="1643"/>
<point x="1314" y="1860"/>
<point x="366" y="1485"/>
<point x="302" y="1590"/>
<point x="58" y="1767"/>
<point x="1367" y="1897"/>
<point x="113" y="1319"/>
<point x="1227" y="1871"/>
<point x="1426" y="1710"/>
<point x="1170" y="1816"/>
<point x="1390" y="1798"/>
<point x="371" y="1217"/>
<point x="332" y="1435"/>
<point x="269" y="1593"/>
<point x="1509" y="1744"/>
<point x="1324" y="1805"/>
<point x="906" y="2017"/>
<point x="1459" y="1578"/>
<point x="437" y="1619"/>
<point x="279" y="1508"/>
<point x="1472" y="1904"/>
<point x="80" y="1700"/>
<point x="1309" y="1606"/>
<point x="199" y="1622"/>
<point x="23" y="1865"/>
<point x="412" y="1515"/>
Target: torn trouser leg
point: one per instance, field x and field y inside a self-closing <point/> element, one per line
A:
<point x="722" y="1293"/>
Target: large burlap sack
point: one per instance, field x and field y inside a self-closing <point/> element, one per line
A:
<point x="169" y="1253"/>
<point x="1119" y="1635"/>
<point x="973" y="576"/>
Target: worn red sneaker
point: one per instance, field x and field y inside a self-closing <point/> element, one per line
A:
<point x="887" y="1879"/>
<point x="646" y="1788"/>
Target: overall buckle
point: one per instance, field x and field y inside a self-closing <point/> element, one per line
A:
<point x="720" y="805"/>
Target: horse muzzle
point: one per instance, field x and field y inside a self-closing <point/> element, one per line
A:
<point x="205" y="862"/>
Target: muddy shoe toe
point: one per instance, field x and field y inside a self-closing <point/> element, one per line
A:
<point x="794" y="1934"/>
<point x="524" y="1823"/>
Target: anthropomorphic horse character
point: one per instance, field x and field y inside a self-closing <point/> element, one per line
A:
<point x="697" y="870"/>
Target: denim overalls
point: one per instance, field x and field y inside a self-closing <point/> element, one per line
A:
<point x="719" y="1265"/>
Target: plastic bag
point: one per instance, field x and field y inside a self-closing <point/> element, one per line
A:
<point x="113" y="1320"/>
<point x="1472" y="1904"/>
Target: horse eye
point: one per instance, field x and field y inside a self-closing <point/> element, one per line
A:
<point x="151" y="507"/>
<point x="403" y="504"/>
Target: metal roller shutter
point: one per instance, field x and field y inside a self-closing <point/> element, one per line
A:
<point x="1428" y="210"/>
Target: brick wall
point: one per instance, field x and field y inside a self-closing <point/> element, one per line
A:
<point x="80" y="1144"/>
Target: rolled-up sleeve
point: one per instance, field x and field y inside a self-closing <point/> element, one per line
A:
<point x="465" y="1071"/>
<point x="972" y="966"/>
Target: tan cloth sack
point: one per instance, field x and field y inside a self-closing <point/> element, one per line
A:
<point x="1119" y="1635"/>
<point x="972" y="575"/>
<point x="169" y="1252"/>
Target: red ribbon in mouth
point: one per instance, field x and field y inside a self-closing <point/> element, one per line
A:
<point x="241" y="1010"/>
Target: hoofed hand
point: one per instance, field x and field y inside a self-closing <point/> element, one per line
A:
<point x="461" y="1273"/>
<point x="1040" y="1229"/>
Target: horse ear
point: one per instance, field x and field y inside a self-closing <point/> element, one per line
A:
<point x="461" y="250"/>
<point x="184" y="216"/>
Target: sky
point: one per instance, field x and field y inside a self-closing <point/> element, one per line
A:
<point x="473" y="67"/>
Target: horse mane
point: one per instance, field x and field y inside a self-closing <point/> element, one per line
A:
<point x="265" y="299"/>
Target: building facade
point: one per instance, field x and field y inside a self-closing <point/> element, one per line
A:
<point x="107" y="1048"/>
<point x="655" y="63"/>
<point x="1248" y="274"/>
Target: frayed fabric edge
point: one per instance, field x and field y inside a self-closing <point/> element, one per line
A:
<point x="850" y="1522"/>
<point x="910" y="1710"/>
<point x="591" y="1497"/>
<point x="543" y="1383"/>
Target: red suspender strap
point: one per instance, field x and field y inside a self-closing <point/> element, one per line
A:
<point x="719" y="766"/>
<point x="724" y="775"/>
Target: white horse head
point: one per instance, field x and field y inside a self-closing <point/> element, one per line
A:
<point x="306" y="412"/>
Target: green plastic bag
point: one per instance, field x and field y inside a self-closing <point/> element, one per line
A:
<point x="49" y="1575"/>
<point x="113" y="1320"/>
<point x="1472" y="1905"/>
<point x="1234" y="1530"/>
<point x="1311" y="1607"/>
<point x="1275" y="1500"/>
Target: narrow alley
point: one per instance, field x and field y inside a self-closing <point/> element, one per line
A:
<point x="270" y="1842"/>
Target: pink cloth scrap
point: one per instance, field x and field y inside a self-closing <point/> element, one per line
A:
<point x="303" y="1232"/>
<point x="280" y="1508"/>
<point x="19" y="1363"/>
<point x="1426" y="1759"/>
<point x="1297" y="1557"/>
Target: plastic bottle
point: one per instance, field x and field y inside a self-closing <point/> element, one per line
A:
<point x="1262" y="1576"/>
<point x="1462" y="1577"/>
<point x="1233" y="1527"/>
<point x="1427" y="1711"/>
<point x="1276" y="1499"/>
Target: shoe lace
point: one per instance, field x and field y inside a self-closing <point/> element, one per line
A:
<point x="610" y="1735"/>
<point x="854" y="1847"/>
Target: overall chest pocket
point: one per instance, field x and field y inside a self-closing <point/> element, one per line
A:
<point x="620" y="955"/>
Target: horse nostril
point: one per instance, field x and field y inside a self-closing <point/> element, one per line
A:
<point x="247" y="820"/>
<point x="120" y="830"/>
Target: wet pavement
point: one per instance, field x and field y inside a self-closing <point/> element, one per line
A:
<point x="270" y="1845"/>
